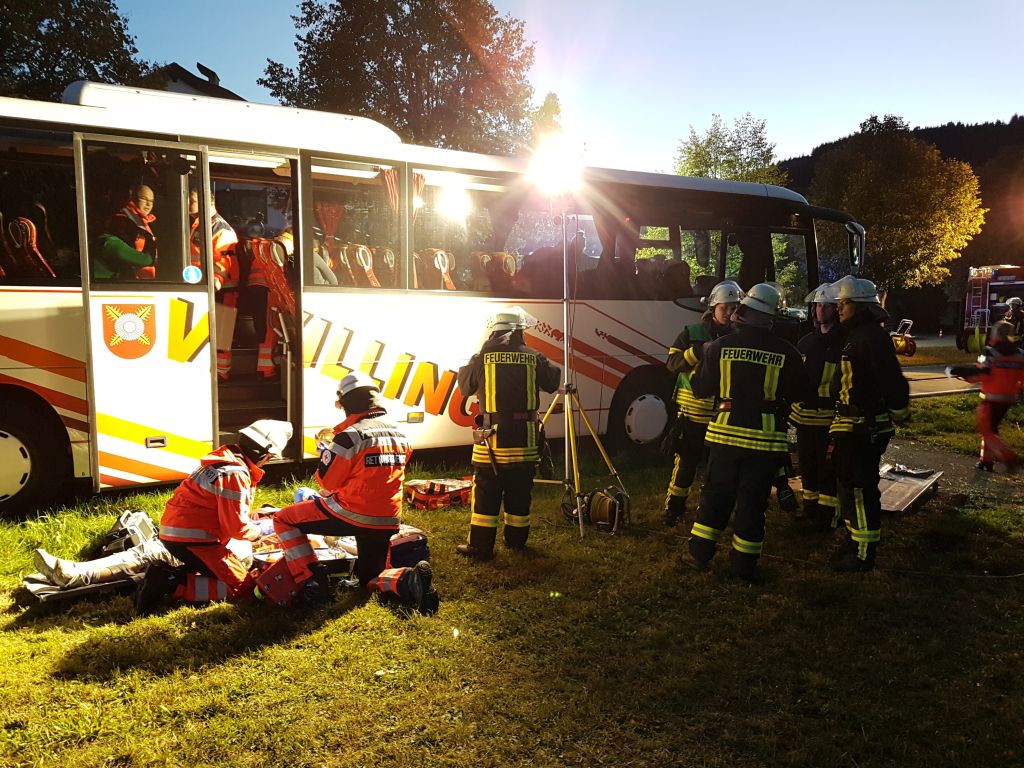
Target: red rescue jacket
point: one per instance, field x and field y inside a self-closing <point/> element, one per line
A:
<point x="363" y="470"/>
<point x="212" y="504"/>
<point x="1000" y="373"/>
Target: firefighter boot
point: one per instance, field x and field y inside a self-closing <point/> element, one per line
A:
<point x="675" y="510"/>
<point x="853" y="562"/>
<point x="787" y="499"/>
<point x="423" y="597"/>
<point x="481" y="544"/>
<point x="160" y="581"/>
<point x="699" y="557"/>
<point x="743" y="566"/>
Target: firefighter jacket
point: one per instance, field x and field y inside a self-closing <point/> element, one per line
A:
<point x="820" y="352"/>
<point x="362" y="471"/>
<point x="1000" y="372"/>
<point x="869" y="387"/>
<point x="1015" y="317"/>
<point x="754" y="376"/>
<point x="225" y="264"/>
<point x="683" y="356"/>
<point x="506" y="376"/>
<point x="212" y="504"/>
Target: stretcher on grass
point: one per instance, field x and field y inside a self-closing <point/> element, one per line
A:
<point x="438" y="494"/>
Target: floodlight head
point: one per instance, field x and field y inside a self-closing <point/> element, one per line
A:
<point x="555" y="168"/>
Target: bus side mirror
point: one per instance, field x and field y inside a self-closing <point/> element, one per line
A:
<point x="855" y="243"/>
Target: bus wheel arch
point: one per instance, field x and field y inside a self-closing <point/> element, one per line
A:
<point x="640" y="409"/>
<point x="35" y="453"/>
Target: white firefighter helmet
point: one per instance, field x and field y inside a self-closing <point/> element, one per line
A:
<point x="856" y="289"/>
<point x="511" y="319"/>
<point x="823" y="294"/>
<point x="356" y="380"/>
<point x="271" y="435"/>
<point x="726" y="292"/>
<point x="764" y="298"/>
<point x="1013" y="302"/>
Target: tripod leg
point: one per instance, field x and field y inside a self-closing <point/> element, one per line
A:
<point x="600" y="445"/>
<point x="572" y="460"/>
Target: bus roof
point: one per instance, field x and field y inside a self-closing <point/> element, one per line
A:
<point x="206" y="119"/>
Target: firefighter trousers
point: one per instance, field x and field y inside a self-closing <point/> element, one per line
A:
<point x="856" y="456"/>
<point x="817" y="473"/>
<point x="738" y="480"/>
<point x="512" y="485"/>
<point x="214" y="573"/>
<point x="294" y="522"/>
<point x="690" y="451"/>
<point x="993" y="447"/>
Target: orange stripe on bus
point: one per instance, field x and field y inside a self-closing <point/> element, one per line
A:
<point x="600" y="375"/>
<point x="38" y="357"/>
<point x="82" y="426"/>
<point x="596" y="354"/>
<point x="116" y="482"/>
<point x="52" y="396"/>
<point x="141" y="468"/>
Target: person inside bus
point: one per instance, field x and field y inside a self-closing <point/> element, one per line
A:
<point x="208" y="509"/>
<point x="127" y="249"/>
<point x="226" y="270"/>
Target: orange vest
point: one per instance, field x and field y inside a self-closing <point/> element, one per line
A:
<point x="212" y="504"/>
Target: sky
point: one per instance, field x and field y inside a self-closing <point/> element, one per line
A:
<point x="633" y="76"/>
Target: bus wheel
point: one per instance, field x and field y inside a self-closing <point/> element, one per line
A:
<point x="33" y="465"/>
<point x="640" y="409"/>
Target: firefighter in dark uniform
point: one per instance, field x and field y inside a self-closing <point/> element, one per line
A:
<point x="870" y="394"/>
<point x="506" y="376"/>
<point x="813" y="416"/>
<point x="693" y="413"/>
<point x="754" y="376"/>
<point x="1015" y="317"/>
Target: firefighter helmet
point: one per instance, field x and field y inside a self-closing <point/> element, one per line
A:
<point x="856" y="289"/>
<point x="764" y="298"/>
<point x="726" y="292"/>
<point x="270" y="435"/>
<point x="356" y="380"/>
<point x="1014" y="301"/>
<point x="823" y="294"/>
<point x="511" y="319"/>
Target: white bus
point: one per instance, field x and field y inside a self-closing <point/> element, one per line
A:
<point x="109" y="376"/>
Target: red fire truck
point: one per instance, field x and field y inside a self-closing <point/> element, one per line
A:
<point x="988" y="290"/>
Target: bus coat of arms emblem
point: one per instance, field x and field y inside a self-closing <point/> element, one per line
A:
<point x="129" y="330"/>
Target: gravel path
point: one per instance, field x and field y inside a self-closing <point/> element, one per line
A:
<point x="959" y="475"/>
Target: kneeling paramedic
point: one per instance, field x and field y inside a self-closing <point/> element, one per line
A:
<point x="755" y="376"/>
<point x="506" y="376"/>
<point x="687" y="434"/>
<point x="871" y="394"/>
<point x="210" y="507"/>
<point x="361" y="474"/>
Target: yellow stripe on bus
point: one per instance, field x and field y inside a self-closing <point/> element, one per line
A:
<point x="137" y="433"/>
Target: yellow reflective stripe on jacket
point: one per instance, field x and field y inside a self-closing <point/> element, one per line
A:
<point x="695" y="408"/>
<point x="690" y="357"/>
<point x="520" y="455"/>
<point x="722" y="432"/>
<point x="811" y="417"/>
<point x="825" y="385"/>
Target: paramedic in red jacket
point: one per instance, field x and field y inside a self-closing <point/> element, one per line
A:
<point x="1000" y="371"/>
<point x="208" y="509"/>
<point x="362" y="475"/>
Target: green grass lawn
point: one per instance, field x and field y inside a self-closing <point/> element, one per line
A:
<point x="592" y="652"/>
<point x="949" y="422"/>
<point x="947" y="354"/>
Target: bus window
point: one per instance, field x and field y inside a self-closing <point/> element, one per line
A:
<point x="38" y="210"/>
<point x="790" y="267"/>
<point x="537" y="238"/>
<point x="356" y="224"/>
<point x="137" y="213"/>
<point x="471" y="232"/>
<point x="833" y="250"/>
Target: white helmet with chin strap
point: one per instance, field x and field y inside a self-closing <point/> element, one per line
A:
<point x="823" y="294"/>
<point x="1013" y="302"/>
<point x="764" y="298"/>
<point x="511" y="319"/>
<point x="856" y="289"/>
<point x="356" y="380"/>
<point x="269" y="434"/>
<point x="726" y="292"/>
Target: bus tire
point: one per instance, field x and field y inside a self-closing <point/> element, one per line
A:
<point x="640" y="410"/>
<point x="34" y="460"/>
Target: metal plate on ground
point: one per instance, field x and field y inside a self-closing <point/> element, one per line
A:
<point x="904" y="488"/>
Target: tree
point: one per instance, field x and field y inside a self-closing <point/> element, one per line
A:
<point x="919" y="209"/>
<point x="449" y="73"/>
<point x="45" y="46"/>
<point x="742" y="153"/>
<point x="547" y="118"/>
